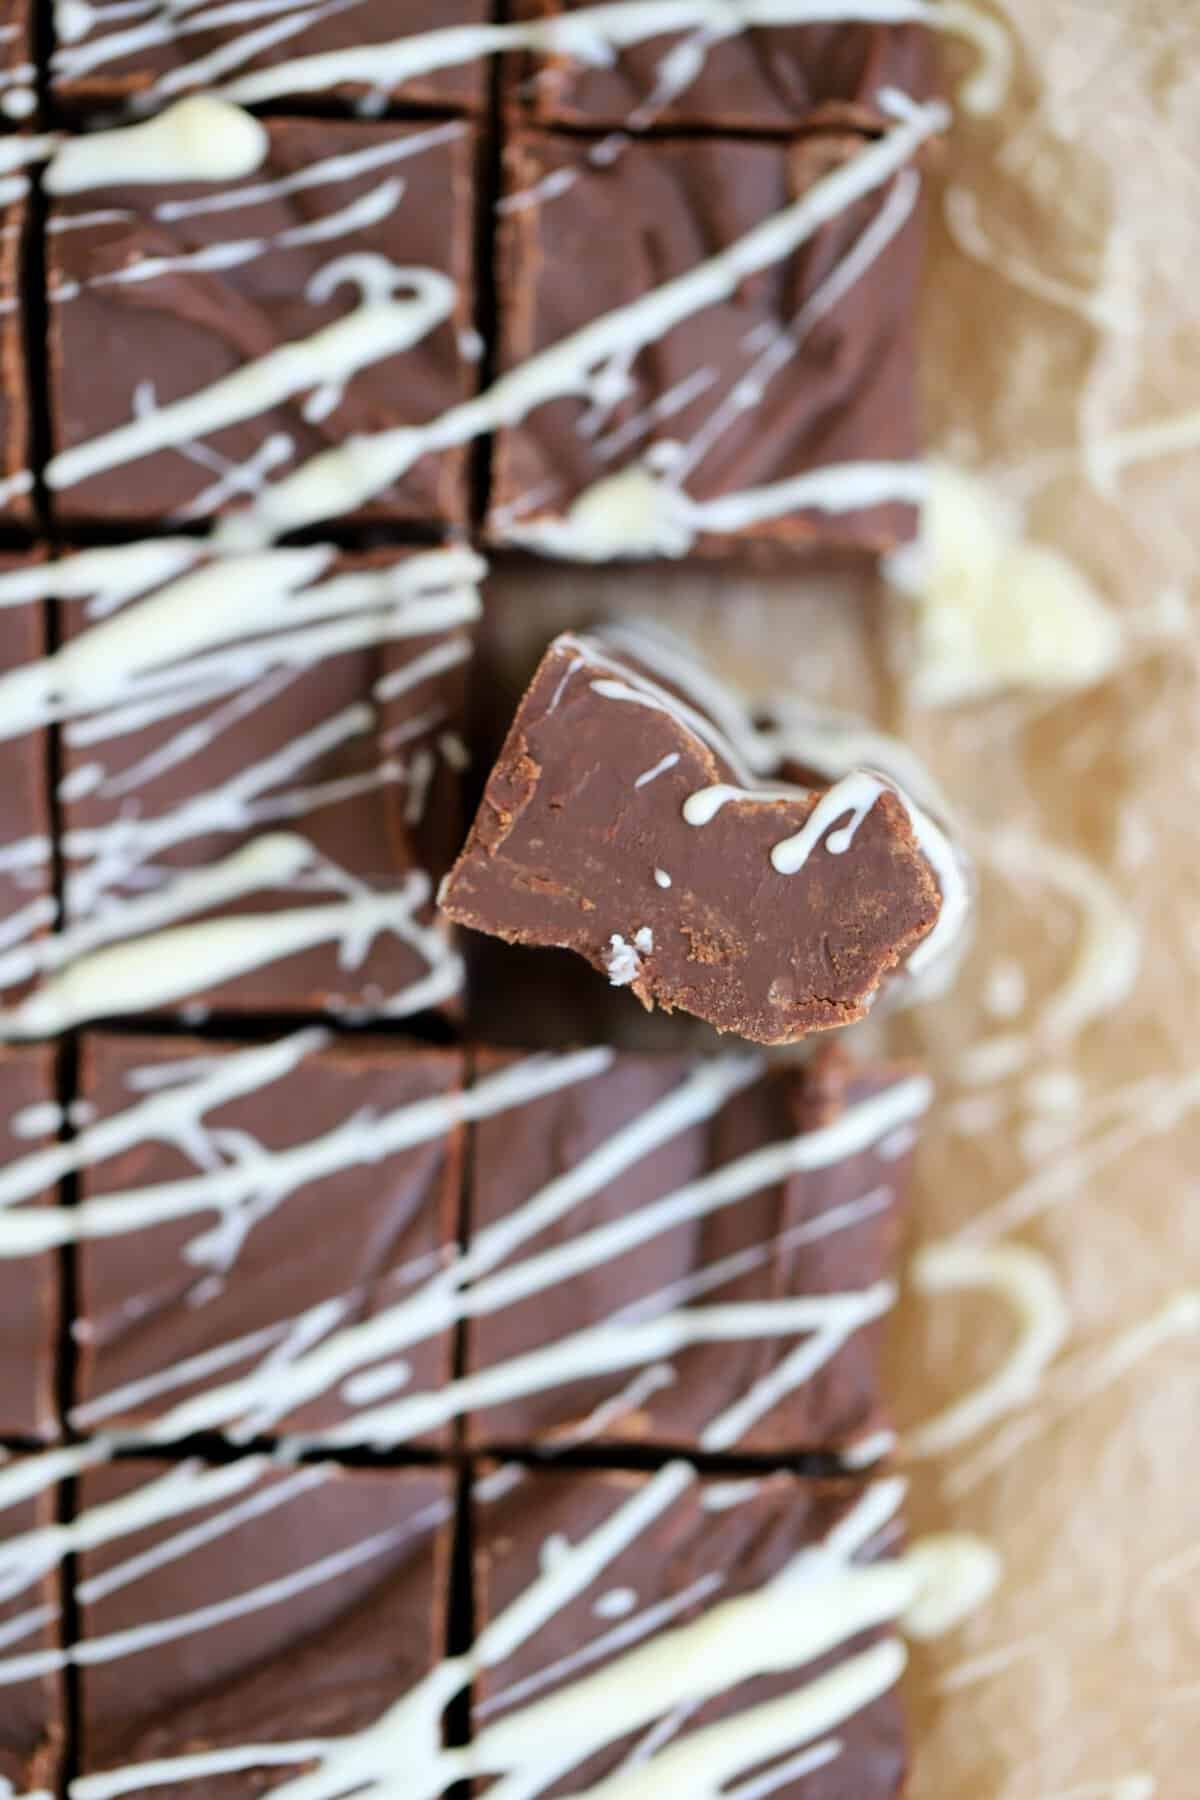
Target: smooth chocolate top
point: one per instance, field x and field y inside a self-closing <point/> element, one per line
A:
<point x="28" y="1284"/>
<point x="719" y="1221"/>
<point x="333" y="218"/>
<point x="767" y="79"/>
<point x="102" y="66"/>
<point x="582" y="842"/>
<point x="336" y="714"/>
<point x="581" y="237"/>
<point x="328" y="1228"/>
<point x="718" y="1542"/>
<point x="32" y="1722"/>
<point x="298" y="1605"/>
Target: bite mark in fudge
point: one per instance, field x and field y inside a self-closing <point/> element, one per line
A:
<point x="101" y="61"/>
<point x="704" y="1255"/>
<point x="32" y="1723"/>
<point x="624" y="822"/>
<point x="767" y="78"/>
<point x="261" y="779"/>
<point x="207" y="335"/>
<point x="693" y="1631"/>
<point x="251" y="1620"/>
<point x="28" y="1274"/>
<point x="778" y="408"/>
<point x="251" y="1222"/>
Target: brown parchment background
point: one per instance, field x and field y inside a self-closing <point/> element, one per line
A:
<point x="1055" y="351"/>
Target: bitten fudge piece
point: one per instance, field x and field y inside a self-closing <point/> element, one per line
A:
<point x="260" y="1230"/>
<point x="171" y="50"/>
<point x="769" y="78"/>
<point x="698" y="1630"/>
<point x="261" y="779"/>
<point x="622" y="821"/>
<point x="696" y="1254"/>
<point x="17" y="74"/>
<point x="206" y="337"/>
<point x="699" y="424"/>
<point x="16" y="481"/>
<point x="256" y="1622"/>
<point x="32" y="1724"/>
<point x="28" y="1271"/>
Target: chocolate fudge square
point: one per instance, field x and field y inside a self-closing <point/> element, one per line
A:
<point x="711" y="1635"/>
<point x="18" y="101"/>
<point x="26" y="898"/>
<point x="623" y="821"/>
<point x="102" y="60"/>
<point x="28" y="1270"/>
<point x="16" y="481"/>
<point x="173" y="307"/>
<point x="257" y="1227"/>
<point x="765" y="78"/>
<point x="32" y="1722"/>
<point x="703" y="1255"/>
<point x="276" y="1613"/>
<point x="805" y="365"/>
<point x="261" y="770"/>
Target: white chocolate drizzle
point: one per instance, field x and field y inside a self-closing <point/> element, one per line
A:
<point x="654" y="1667"/>
<point x="231" y="635"/>
<point x="1028" y="1284"/>
<point x="199" y="139"/>
<point x="583" y="363"/>
<point x="593" y="35"/>
<point x="299" y="1359"/>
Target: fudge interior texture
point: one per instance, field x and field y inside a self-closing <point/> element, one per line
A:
<point x="637" y="823"/>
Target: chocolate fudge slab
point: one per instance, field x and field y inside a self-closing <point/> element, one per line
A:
<point x="161" y="290"/>
<point x="810" y="363"/>
<point x="775" y="78"/>
<point x="264" y="1607"/>
<point x="721" y="1279"/>
<point x="28" y="1271"/>
<point x="261" y="779"/>
<point x="16" y="482"/>
<point x="683" y="1557"/>
<point x="621" y="822"/>
<point x="18" y="100"/>
<point x="26" y="899"/>
<point x="262" y="1211"/>
<point x="101" y="62"/>
<point x="32" y="1725"/>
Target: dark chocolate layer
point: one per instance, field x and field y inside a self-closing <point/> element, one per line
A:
<point x="323" y="1228"/>
<point x="32" y="1722"/>
<point x="714" y="1546"/>
<point x="717" y="1220"/>
<point x="29" y="1302"/>
<point x="298" y="1606"/>
<point x="797" y="371"/>
<point x="335" y="215"/>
